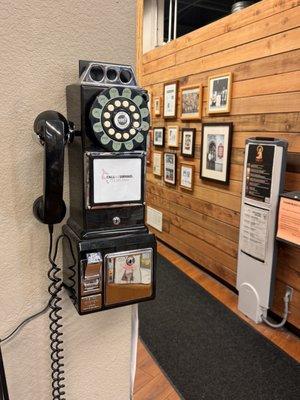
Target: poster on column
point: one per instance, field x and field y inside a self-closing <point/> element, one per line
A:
<point x="254" y="232"/>
<point x="289" y="220"/>
<point x="259" y="172"/>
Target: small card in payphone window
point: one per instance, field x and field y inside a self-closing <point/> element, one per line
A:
<point x="129" y="268"/>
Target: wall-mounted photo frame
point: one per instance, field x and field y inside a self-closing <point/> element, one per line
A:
<point x="219" y="93"/>
<point x="170" y="100"/>
<point x="191" y="102"/>
<point x="159" y="137"/>
<point x="157" y="103"/>
<point x="149" y="147"/>
<point x="170" y="168"/>
<point x="188" y="142"/>
<point x="157" y="163"/>
<point x="187" y="176"/>
<point x="173" y="136"/>
<point x="216" y="152"/>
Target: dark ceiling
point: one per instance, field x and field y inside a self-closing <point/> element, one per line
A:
<point x="192" y="14"/>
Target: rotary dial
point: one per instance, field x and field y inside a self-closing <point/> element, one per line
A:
<point x="120" y="118"/>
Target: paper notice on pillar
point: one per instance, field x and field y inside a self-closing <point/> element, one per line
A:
<point x="117" y="180"/>
<point x="289" y="220"/>
<point x="254" y="232"/>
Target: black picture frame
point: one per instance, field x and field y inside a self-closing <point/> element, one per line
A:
<point x="174" y="156"/>
<point x="224" y="175"/>
<point x="163" y="136"/>
<point x="193" y="130"/>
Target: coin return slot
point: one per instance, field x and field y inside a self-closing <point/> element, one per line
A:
<point x="91" y="273"/>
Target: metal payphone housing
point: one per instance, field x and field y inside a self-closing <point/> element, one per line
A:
<point x="100" y="88"/>
<point x="115" y="256"/>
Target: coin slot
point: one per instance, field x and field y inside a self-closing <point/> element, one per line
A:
<point x="111" y="74"/>
<point x="125" y="76"/>
<point x="96" y="73"/>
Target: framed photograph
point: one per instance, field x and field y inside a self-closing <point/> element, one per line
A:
<point x="157" y="163"/>
<point x="170" y="168"/>
<point x="148" y="147"/>
<point x="216" y="152"/>
<point x="188" y="142"/>
<point x="187" y="176"/>
<point x="172" y="136"/>
<point x="219" y="93"/>
<point x="159" y="136"/>
<point x="170" y="100"/>
<point x="191" y="102"/>
<point x="157" y="106"/>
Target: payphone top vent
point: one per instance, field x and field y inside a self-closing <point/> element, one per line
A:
<point x="103" y="74"/>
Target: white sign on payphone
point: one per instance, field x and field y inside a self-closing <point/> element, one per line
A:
<point x="117" y="180"/>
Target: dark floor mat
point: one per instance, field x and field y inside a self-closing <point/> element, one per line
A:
<point x="206" y="350"/>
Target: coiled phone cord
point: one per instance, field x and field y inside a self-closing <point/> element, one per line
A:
<point x="54" y="290"/>
<point x="56" y="349"/>
<point x="55" y="317"/>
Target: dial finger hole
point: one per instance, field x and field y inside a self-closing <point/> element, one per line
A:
<point x="117" y="103"/>
<point x="125" y="135"/>
<point x="136" y="124"/>
<point x="132" y="108"/>
<point x="118" y="135"/>
<point x="111" y="131"/>
<point x="111" y="107"/>
<point x="132" y="131"/>
<point x="106" y="115"/>
<point x="136" y="115"/>
<point x="107" y="124"/>
<point x="125" y="103"/>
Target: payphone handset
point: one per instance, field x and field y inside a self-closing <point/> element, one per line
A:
<point x="53" y="132"/>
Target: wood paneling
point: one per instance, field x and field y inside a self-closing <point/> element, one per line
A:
<point x="260" y="46"/>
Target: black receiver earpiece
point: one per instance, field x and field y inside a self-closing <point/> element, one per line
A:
<point x="53" y="131"/>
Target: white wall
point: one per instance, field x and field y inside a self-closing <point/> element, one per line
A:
<point x="40" y="45"/>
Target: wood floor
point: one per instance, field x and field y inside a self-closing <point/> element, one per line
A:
<point x="150" y="382"/>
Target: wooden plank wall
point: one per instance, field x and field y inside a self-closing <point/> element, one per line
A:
<point x="260" y="46"/>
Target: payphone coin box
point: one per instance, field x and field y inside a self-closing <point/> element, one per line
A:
<point x="109" y="272"/>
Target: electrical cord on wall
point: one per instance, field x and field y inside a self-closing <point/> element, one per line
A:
<point x="286" y="300"/>
<point x="54" y="289"/>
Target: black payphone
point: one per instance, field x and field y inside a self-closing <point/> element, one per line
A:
<point x="109" y="257"/>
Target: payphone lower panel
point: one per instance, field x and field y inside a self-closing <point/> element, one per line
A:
<point x="109" y="272"/>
